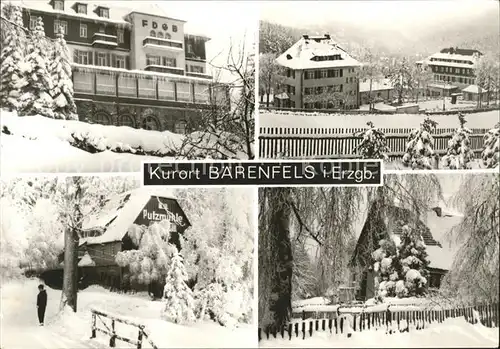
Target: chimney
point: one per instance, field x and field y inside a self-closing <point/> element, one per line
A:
<point x="305" y="36"/>
<point x="327" y="36"/>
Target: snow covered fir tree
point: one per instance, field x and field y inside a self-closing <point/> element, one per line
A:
<point x="178" y="297"/>
<point x="373" y="144"/>
<point x="419" y="147"/>
<point x="177" y="261"/>
<point x="459" y="154"/>
<point x="400" y="253"/>
<point x="491" y="151"/>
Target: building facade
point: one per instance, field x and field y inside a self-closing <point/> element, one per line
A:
<point x="380" y="90"/>
<point x="317" y="74"/>
<point x="131" y="67"/>
<point x="453" y="70"/>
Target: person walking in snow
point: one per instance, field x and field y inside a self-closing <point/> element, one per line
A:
<point x="41" y="303"/>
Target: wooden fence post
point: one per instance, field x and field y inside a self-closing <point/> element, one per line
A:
<point x="112" y="340"/>
<point x="93" y="325"/>
<point x="139" y="339"/>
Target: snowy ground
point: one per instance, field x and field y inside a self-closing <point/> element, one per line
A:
<point x="20" y="330"/>
<point x="395" y="165"/>
<point x="39" y="144"/>
<point x="451" y="333"/>
<point x="486" y="119"/>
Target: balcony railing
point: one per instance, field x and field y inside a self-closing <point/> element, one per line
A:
<point x="101" y="39"/>
<point x="164" y="43"/>
<point x="127" y="84"/>
<point x="199" y="75"/>
<point x="164" y="69"/>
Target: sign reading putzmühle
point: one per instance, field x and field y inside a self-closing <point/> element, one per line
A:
<point x="267" y="173"/>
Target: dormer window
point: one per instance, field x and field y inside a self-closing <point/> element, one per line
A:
<point x="81" y="8"/>
<point x="59" y="5"/>
<point x="104" y="12"/>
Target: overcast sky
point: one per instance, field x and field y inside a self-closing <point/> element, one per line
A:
<point x="390" y="14"/>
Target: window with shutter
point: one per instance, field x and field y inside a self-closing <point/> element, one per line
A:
<point x="113" y="61"/>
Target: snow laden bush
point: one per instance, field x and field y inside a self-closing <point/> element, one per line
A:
<point x="386" y="269"/>
<point x="459" y="155"/>
<point x="35" y="94"/>
<point x="11" y="58"/>
<point x="373" y="144"/>
<point x="413" y="259"/>
<point x="419" y="153"/>
<point x="218" y="250"/>
<point x="62" y="89"/>
<point x="150" y="262"/>
<point x="491" y="148"/>
<point x="177" y="296"/>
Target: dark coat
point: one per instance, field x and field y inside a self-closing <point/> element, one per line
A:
<point x="41" y="299"/>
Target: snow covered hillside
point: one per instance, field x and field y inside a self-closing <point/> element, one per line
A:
<point x="451" y="333"/>
<point x="69" y="330"/>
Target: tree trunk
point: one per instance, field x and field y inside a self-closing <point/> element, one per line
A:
<point x="267" y="99"/>
<point x="70" y="279"/>
<point x="370" y="95"/>
<point x="275" y="258"/>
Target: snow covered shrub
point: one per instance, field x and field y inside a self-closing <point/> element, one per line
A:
<point x="386" y="269"/>
<point x="373" y="145"/>
<point x="150" y="262"/>
<point x="177" y="296"/>
<point x="419" y="152"/>
<point x="414" y="263"/>
<point x="62" y="89"/>
<point x="35" y="95"/>
<point x="11" y="58"/>
<point x="491" y="147"/>
<point x="459" y="155"/>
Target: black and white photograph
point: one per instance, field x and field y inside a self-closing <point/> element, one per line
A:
<point x="92" y="86"/>
<point x="100" y="262"/>
<point x="415" y="83"/>
<point x="412" y="263"/>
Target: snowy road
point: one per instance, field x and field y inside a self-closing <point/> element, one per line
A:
<point x="36" y="337"/>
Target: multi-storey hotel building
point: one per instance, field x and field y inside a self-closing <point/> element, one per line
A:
<point x="453" y="70"/>
<point x="319" y="74"/>
<point x="132" y="67"/>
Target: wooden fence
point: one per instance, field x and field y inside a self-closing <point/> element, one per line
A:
<point x="338" y="143"/>
<point x="109" y="329"/>
<point x="389" y="320"/>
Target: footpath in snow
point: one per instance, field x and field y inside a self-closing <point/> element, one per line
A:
<point x="20" y="330"/>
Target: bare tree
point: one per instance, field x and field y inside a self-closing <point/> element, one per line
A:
<point x="269" y="75"/>
<point x="226" y="128"/>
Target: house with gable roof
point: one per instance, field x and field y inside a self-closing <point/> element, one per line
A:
<point x="388" y="224"/>
<point x="107" y="232"/>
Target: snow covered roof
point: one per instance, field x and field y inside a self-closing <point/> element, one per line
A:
<point x="301" y="54"/>
<point x="453" y="56"/>
<point x="474" y="89"/>
<point x="444" y="86"/>
<point x="86" y="261"/>
<point x="116" y="13"/>
<point x="377" y="85"/>
<point x="119" y="213"/>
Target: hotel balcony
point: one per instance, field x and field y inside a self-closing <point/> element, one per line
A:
<point x="142" y="87"/>
<point x="164" y="69"/>
<point x="199" y="75"/>
<point x="167" y="44"/>
<point x="104" y="40"/>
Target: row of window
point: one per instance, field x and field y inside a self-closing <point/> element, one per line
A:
<point x="147" y="88"/>
<point x="160" y="35"/>
<point x="82" y="8"/>
<point x="323" y="73"/>
<point x="326" y="58"/>
<point x="120" y="35"/>
<point x="159" y="60"/>
<point x="320" y="89"/>
<point x="454" y="79"/>
<point x="329" y="105"/>
<point x="450" y="61"/>
<point x="462" y="71"/>
<point x="150" y="122"/>
<point x="102" y="59"/>
<point x="195" y="69"/>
